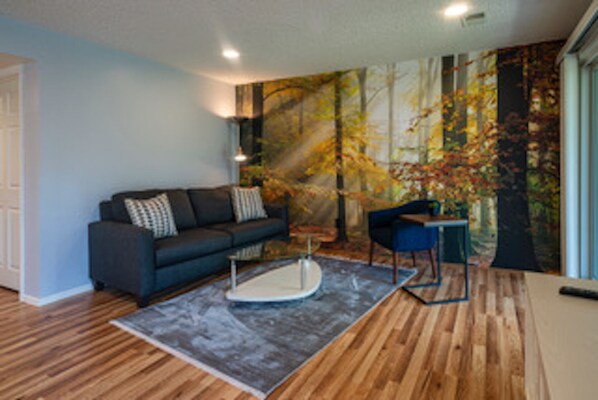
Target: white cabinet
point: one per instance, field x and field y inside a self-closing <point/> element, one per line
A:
<point x="561" y="340"/>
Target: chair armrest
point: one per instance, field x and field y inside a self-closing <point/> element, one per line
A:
<point x="122" y="255"/>
<point x="280" y="212"/>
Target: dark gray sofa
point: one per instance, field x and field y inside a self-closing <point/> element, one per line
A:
<point x="126" y="257"/>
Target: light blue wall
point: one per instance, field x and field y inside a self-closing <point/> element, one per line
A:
<point x="107" y="121"/>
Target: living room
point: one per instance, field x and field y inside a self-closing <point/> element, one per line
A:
<point x="277" y="199"/>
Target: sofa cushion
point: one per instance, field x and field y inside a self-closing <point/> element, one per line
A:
<point x="190" y="244"/>
<point x="190" y="270"/>
<point x="211" y="206"/>
<point x="252" y="231"/>
<point x="179" y="202"/>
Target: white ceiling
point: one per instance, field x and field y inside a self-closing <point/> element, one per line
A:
<point x="282" y="38"/>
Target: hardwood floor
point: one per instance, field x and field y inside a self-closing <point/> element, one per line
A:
<point x="402" y="349"/>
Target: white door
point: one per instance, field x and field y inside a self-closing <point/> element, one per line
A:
<point x="10" y="181"/>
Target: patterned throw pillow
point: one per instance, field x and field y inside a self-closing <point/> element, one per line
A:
<point x="154" y="214"/>
<point x="247" y="204"/>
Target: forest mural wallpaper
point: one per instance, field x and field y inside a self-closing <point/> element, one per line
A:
<point x="478" y="131"/>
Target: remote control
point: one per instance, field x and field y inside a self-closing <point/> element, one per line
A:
<point x="579" y="292"/>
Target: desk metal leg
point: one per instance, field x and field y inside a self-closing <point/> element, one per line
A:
<point x="439" y="280"/>
<point x="466" y="256"/>
<point x="439" y="256"/>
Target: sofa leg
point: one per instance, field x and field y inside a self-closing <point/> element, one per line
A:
<point x="98" y="286"/>
<point x="142" y="301"/>
<point x="371" y="252"/>
<point x="413" y="258"/>
<point x="395" y="266"/>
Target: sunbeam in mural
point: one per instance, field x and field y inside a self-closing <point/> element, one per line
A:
<point x="477" y="131"/>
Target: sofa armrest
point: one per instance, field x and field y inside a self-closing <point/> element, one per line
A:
<point x="280" y="212"/>
<point x="122" y="255"/>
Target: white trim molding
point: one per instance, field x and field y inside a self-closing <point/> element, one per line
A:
<point x="578" y="138"/>
<point x="585" y="172"/>
<point x="570" y="166"/>
<point x="43" y="301"/>
<point x="580" y="31"/>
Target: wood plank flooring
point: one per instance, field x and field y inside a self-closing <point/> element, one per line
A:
<point x="402" y="349"/>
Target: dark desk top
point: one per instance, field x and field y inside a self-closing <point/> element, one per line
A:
<point x="433" y="221"/>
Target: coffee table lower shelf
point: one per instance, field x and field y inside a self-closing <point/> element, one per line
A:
<point x="293" y="281"/>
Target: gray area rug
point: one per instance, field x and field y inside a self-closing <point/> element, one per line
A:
<point x="257" y="346"/>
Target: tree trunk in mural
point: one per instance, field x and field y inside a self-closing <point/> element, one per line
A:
<point x="448" y="99"/>
<point x="515" y="247"/>
<point x="362" y="75"/>
<point x="301" y="112"/>
<point x="390" y="81"/>
<point x="543" y="168"/>
<point x="422" y="145"/>
<point x="257" y="123"/>
<point x="340" y="174"/>
<point x="484" y="202"/>
<point x="461" y="104"/>
<point x="430" y="79"/>
<point x="363" y="104"/>
<point x="454" y="137"/>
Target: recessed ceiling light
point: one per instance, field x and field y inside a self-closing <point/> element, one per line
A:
<point x="231" y="54"/>
<point x="456" y="10"/>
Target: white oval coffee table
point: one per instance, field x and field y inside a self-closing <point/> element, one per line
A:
<point x="293" y="281"/>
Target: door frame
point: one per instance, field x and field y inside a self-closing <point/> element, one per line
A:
<point x="4" y="72"/>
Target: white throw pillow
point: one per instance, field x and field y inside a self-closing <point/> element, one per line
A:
<point x="154" y="214"/>
<point x="247" y="204"/>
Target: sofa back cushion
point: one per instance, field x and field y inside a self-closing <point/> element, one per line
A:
<point x="106" y="211"/>
<point x="211" y="206"/>
<point x="179" y="202"/>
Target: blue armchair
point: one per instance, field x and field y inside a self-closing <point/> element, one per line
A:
<point x="389" y="231"/>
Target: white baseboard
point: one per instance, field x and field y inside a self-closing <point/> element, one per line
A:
<point x="42" y="301"/>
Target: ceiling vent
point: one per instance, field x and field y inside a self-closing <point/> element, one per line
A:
<point x="473" y="19"/>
